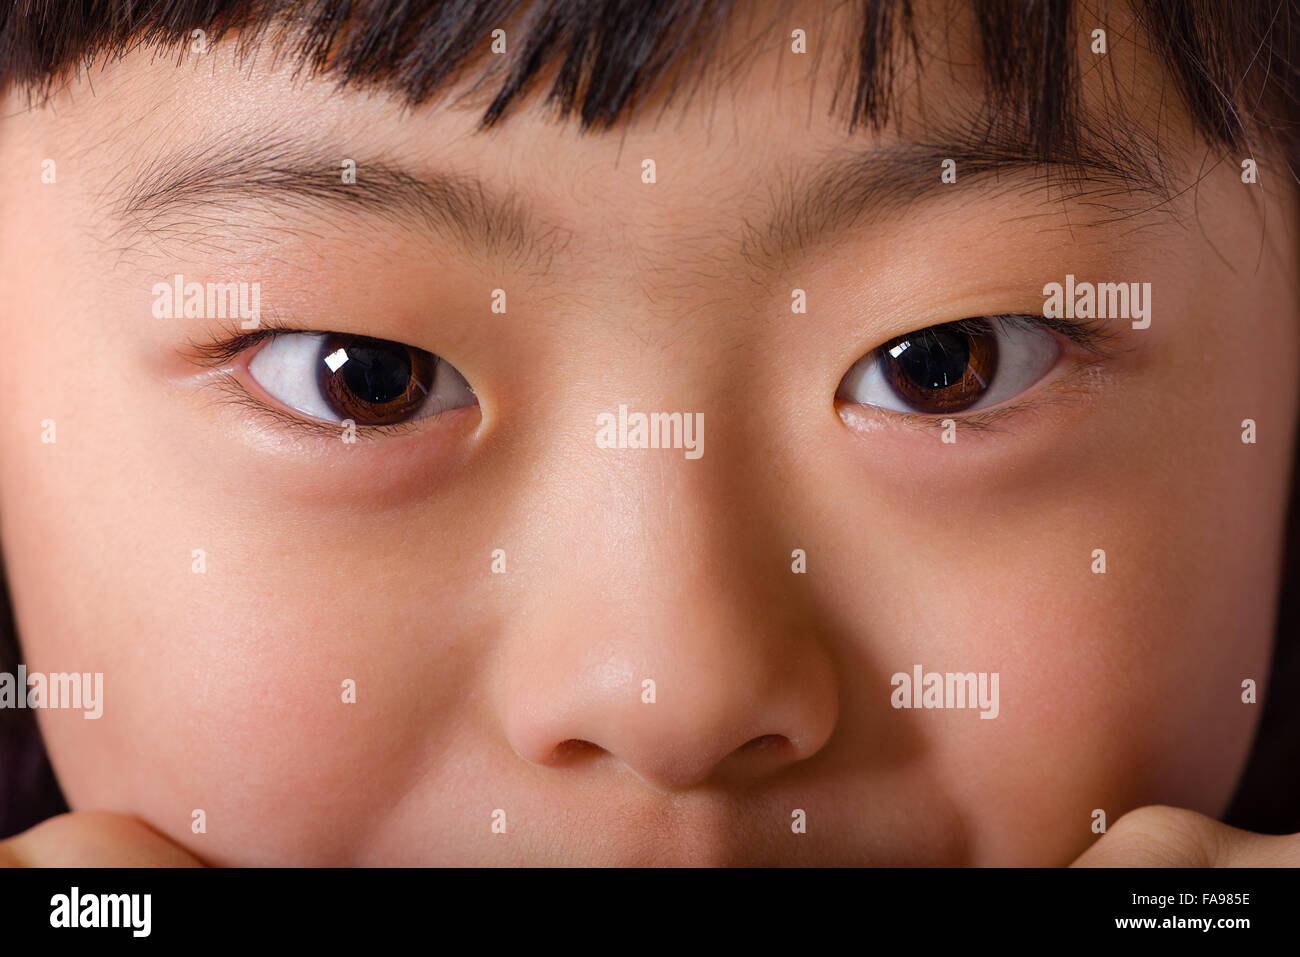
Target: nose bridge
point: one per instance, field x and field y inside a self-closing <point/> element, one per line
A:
<point x="659" y="635"/>
<point x="649" y="532"/>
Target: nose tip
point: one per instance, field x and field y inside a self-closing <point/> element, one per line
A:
<point x="678" y="651"/>
<point x="674" y="746"/>
<point x="677" y="769"/>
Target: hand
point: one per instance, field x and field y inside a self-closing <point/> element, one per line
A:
<point x="93" y="839"/>
<point x="1159" y="836"/>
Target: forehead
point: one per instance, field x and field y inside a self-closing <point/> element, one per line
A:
<point x="753" y="155"/>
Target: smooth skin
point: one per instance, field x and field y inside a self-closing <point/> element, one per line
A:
<point x="328" y="561"/>
<point x="1147" y="837"/>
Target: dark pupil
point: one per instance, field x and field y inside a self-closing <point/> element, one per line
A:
<point x="944" y="368"/>
<point x="373" y="381"/>
<point x="376" y="371"/>
<point x="935" y="358"/>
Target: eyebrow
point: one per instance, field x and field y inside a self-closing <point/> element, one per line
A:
<point x="846" y="189"/>
<point x="457" y="206"/>
<point x="853" y="188"/>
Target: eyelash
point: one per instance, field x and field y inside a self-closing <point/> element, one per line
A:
<point x="1092" y="335"/>
<point x="237" y="394"/>
<point x="222" y="351"/>
<point x="985" y="420"/>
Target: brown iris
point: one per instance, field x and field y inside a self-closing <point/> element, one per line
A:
<point x="373" y="381"/>
<point x="944" y="368"/>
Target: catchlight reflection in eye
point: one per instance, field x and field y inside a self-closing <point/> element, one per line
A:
<point x="954" y="367"/>
<point x="334" y="377"/>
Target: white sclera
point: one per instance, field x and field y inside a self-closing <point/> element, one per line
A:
<point x="286" y="368"/>
<point x="1025" y="355"/>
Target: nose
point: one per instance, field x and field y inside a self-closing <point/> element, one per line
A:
<point x="676" y="650"/>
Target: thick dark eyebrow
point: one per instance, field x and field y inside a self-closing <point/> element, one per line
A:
<point x="851" y="188"/>
<point x="847" y="189"/>
<point x="171" y="193"/>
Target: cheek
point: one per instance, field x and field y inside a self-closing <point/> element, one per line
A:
<point x="224" y="689"/>
<point x="1107" y="702"/>
<point x="280" y="691"/>
<point x="1116" y="689"/>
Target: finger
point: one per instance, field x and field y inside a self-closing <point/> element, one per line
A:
<point x="1159" y="836"/>
<point x="93" y="839"/>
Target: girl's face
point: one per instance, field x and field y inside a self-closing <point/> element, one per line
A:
<point x="498" y="585"/>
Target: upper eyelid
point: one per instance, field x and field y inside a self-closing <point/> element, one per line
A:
<point x="1093" y="335"/>
<point x="219" y="354"/>
<point x="220" y="351"/>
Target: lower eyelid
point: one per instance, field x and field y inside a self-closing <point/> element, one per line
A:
<point x="1083" y="378"/>
<point x="233" y="391"/>
<point x="868" y="418"/>
<point x="243" y="388"/>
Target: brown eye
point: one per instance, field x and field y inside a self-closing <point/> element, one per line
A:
<point x="373" y="381"/>
<point x="941" y="369"/>
<point x="953" y="367"/>
<point x="337" y="377"/>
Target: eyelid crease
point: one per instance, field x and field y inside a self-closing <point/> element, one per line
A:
<point x="1093" y="335"/>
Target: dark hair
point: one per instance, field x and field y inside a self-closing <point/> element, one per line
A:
<point x="1268" y="794"/>
<point x="1234" y="65"/>
<point x="28" y="791"/>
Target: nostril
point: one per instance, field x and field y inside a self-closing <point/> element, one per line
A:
<point x="765" y="742"/>
<point x="571" y="749"/>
